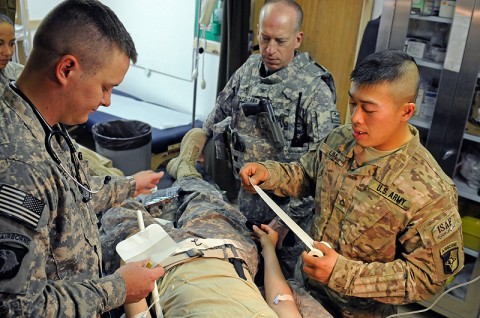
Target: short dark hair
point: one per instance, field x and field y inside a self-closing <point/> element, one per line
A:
<point x="5" y="19"/>
<point x="87" y="29"/>
<point x="386" y="67"/>
<point x="382" y="66"/>
<point x="293" y="4"/>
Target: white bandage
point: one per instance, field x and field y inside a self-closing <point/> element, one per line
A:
<point x="282" y="297"/>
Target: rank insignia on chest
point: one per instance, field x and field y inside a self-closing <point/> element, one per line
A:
<point x="390" y="195"/>
<point x="449" y="254"/>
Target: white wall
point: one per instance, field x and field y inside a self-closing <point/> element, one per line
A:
<point x="377" y="9"/>
<point x="163" y="32"/>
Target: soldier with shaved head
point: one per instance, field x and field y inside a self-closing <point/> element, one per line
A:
<point x="382" y="202"/>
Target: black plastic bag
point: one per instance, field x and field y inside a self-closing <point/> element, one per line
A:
<point x="122" y="134"/>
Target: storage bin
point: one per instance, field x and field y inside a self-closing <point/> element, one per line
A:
<point x="471" y="232"/>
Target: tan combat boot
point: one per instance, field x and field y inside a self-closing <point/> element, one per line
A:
<point x="190" y="149"/>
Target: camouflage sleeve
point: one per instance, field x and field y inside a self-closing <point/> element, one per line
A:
<point x="431" y="251"/>
<point x="32" y="283"/>
<point x="112" y="194"/>
<point x="223" y="104"/>
<point x="288" y="179"/>
<point x="320" y="113"/>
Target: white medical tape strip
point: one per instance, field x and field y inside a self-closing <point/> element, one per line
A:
<point x="282" y="297"/>
<point x="285" y="218"/>
<point x="299" y="232"/>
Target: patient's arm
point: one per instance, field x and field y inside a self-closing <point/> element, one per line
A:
<point x="136" y="310"/>
<point x="278" y="294"/>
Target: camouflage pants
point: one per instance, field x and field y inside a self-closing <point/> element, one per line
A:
<point x="199" y="211"/>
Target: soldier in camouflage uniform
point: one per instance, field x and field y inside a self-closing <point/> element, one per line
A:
<point x="382" y="202"/>
<point x="302" y="95"/>
<point x="200" y="214"/>
<point x="50" y="251"/>
<point x="9" y="71"/>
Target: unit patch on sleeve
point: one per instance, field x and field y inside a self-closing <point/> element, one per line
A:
<point x="20" y="206"/>
<point x="449" y="254"/>
<point x="390" y="195"/>
<point x="13" y="248"/>
<point x="444" y="228"/>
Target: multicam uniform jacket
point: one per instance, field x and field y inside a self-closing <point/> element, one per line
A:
<point x="303" y="99"/>
<point x="394" y="222"/>
<point x="49" y="241"/>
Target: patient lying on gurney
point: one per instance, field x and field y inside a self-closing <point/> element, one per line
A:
<point x="219" y="283"/>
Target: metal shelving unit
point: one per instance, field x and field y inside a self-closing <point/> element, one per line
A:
<point x="456" y="80"/>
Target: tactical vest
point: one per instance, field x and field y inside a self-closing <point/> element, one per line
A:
<point x="249" y="141"/>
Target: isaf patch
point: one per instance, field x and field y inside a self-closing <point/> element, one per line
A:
<point x="444" y="228"/>
<point x="13" y="248"/>
<point x="20" y="206"/>
<point x="450" y="257"/>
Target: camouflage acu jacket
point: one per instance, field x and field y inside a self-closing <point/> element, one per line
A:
<point x="394" y="221"/>
<point x="10" y="73"/>
<point x="303" y="97"/>
<point x="49" y="239"/>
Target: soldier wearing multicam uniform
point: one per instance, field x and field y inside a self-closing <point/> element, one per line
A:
<point x="302" y="94"/>
<point x="50" y="251"/>
<point x="382" y="202"/>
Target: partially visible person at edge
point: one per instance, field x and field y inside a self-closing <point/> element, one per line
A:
<point x="49" y="240"/>
<point x="302" y="95"/>
<point x="382" y="202"/>
<point x="9" y="71"/>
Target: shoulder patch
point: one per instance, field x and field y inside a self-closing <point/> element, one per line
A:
<point x="20" y="206"/>
<point x="444" y="228"/>
<point x="390" y="195"/>
<point x="450" y="257"/>
<point x="13" y="248"/>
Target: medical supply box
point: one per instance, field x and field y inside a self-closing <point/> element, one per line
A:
<point x="471" y="232"/>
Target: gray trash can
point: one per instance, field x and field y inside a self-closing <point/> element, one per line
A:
<point x="128" y="143"/>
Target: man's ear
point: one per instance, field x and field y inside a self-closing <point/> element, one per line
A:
<point x="66" y="67"/>
<point x="408" y="110"/>
<point x="298" y="39"/>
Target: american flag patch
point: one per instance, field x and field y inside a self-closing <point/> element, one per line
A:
<point x="20" y="206"/>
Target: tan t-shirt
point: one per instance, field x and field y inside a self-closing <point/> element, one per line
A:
<point x="210" y="288"/>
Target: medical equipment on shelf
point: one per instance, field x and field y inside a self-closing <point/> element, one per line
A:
<point x="76" y="156"/>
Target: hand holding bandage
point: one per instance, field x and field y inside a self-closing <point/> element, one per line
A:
<point x="320" y="268"/>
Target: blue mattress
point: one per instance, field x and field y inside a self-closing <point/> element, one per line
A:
<point x="168" y="126"/>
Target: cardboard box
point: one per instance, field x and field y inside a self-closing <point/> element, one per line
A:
<point x="416" y="48"/>
<point x="471" y="232"/>
<point x="447" y="9"/>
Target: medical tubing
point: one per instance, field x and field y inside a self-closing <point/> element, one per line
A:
<point x="436" y="300"/>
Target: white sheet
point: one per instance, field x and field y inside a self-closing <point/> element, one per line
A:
<point x="157" y="116"/>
